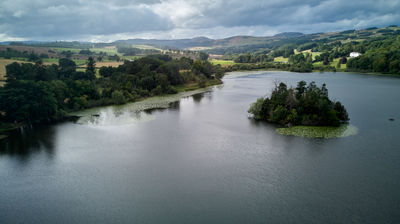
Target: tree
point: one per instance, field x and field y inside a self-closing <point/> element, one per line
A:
<point x="256" y="109"/>
<point x="203" y="56"/>
<point x="118" y="97"/>
<point x="326" y="61"/>
<point x="28" y="101"/>
<point x="66" y="67"/>
<point x="171" y="69"/>
<point x="13" y="71"/>
<point x="91" y="67"/>
<point x="343" y="60"/>
<point x="106" y="71"/>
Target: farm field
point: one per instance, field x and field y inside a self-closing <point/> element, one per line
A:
<point x="146" y="47"/>
<point x="105" y="63"/>
<point x="222" y="62"/>
<point x="281" y="59"/>
<point x="333" y="64"/>
<point x="61" y="49"/>
<point x="335" y="61"/>
<point x="314" y="54"/>
<point x="109" y="50"/>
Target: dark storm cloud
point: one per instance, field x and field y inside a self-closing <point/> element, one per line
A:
<point x="75" y="18"/>
<point x="215" y="18"/>
<point x="286" y="13"/>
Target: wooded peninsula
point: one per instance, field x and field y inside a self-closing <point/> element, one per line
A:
<point x="37" y="93"/>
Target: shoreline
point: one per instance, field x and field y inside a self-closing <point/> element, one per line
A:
<point x="319" y="71"/>
<point x="148" y="103"/>
<point x="183" y="91"/>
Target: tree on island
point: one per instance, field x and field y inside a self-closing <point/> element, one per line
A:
<point x="303" y="105"/>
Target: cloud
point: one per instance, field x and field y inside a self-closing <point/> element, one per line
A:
<point x="106" y="19"/>
<point x="60" y="19"/>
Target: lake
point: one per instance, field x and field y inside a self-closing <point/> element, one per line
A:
<point x="203" y="160"/>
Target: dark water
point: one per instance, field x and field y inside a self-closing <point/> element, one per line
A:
<point x="204" y="161"/>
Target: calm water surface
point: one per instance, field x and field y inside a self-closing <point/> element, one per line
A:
<point x="204" y="161"/>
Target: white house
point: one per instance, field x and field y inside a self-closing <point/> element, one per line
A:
<point x="354" y="54"/>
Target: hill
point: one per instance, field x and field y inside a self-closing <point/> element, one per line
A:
<point x="292" y="51"/>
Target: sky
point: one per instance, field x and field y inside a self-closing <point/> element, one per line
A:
<point x="109" y="20"/>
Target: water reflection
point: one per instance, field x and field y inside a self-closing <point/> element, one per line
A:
<point x="198" y="97"/>
<point x="24" y="142"/>
<point x="115" y="116"/>
<point x="172" y="106"/>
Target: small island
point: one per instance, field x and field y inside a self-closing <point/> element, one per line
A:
<point x="305" y="105"/>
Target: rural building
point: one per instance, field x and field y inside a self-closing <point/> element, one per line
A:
<point x="354" y="54"/>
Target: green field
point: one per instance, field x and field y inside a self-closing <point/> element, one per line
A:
<point x="108" y="50"/>
<point x="333" y="64"/>
<point x="315" y="54"/>
<point x="281" y="59"/>
<point x="80" y="62"/>
<point x="130" y="57"/>
<point x="318" y="63"/>
<point x="61" y="49"/>
<point x="222" y="62"/>
<point x="50" y="60"/>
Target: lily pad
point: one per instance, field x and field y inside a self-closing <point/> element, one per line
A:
<point x="319" y="132"/>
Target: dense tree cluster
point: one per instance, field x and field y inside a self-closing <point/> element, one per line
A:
<point x="303" y="105"/>
<point x="382" y="55"/>
<point x="132" y="51"/>
<point x="296" y="63"/>
<point x="253" y="58"/>
<point x="301" y="62"/>
<point x="37" y="93"/>
<point x="286" y="51"/>
<point x="30" y="56"/>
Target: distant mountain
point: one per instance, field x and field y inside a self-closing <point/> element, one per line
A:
<point x="177" y="43"/>
<point x="204" y="42"/>
<point x="288" y="35"/>
<point x="235" y="44"/>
